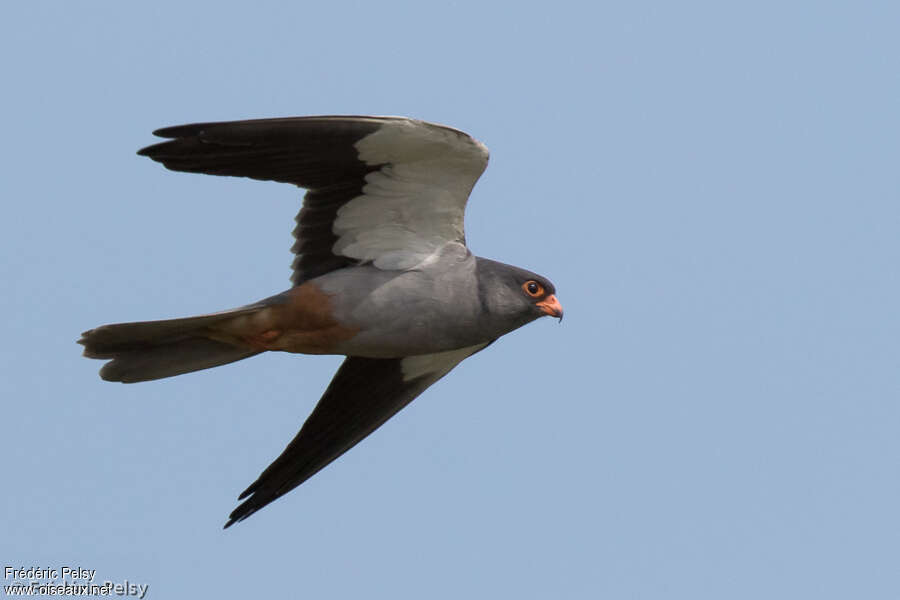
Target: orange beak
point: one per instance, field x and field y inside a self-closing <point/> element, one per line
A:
<point x="551" y="307"/>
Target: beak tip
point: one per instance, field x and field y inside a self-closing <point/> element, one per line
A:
<point x="551" y="307"/>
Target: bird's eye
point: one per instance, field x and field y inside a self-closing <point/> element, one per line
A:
<point x="533" y="288"/>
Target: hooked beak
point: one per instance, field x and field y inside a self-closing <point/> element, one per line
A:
<point x="551" y="307"/>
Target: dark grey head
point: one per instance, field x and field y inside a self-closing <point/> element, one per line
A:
<point x="513" y="297"/>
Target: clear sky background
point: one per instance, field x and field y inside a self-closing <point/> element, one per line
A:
<point x="712" y="186"/>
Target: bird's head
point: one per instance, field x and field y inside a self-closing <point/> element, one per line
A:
<point x="516" y="295"/>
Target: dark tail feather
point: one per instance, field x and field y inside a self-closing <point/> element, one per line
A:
<point x="155" y="349"/>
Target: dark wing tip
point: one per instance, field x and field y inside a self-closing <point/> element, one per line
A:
<point x="173" y="132"/>
<point x="249" y="490"/>
<point x="231" y="521"/>
<point x="176" y="131"/>
<point x="243" y="511"/>
<point x="271" y="125"/>
<point x="250" y="505"/>
<point x="148" y="150"/>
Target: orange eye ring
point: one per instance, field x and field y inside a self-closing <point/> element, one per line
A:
<point x="533" y="288"/>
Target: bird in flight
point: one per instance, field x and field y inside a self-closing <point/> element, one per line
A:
<point x="381" y="274"/>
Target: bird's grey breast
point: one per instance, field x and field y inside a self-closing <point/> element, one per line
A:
<point x="433" y="308"/>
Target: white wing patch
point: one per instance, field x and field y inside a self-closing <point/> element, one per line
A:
<point x="436" y="365"/>
<point x="414" y="204"/>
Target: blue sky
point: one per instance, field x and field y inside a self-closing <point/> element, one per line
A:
<point x="713" y="188"/>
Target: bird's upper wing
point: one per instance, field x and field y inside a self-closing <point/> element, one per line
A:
<point x="364" y="393"/>
<point x="385" y="190"/>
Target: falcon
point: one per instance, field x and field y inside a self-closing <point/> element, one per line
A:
<point x="381" y="274"/>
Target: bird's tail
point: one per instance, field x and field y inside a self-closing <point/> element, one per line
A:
<point x="155" y="349"/>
